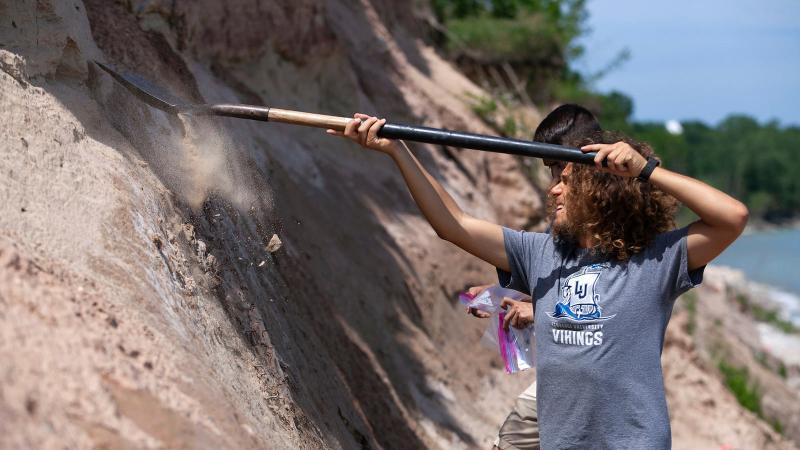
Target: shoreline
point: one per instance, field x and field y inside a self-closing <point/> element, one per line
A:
<point x="767" y="256"/>
<point x="777" y="342"/>
<point x="786" y="303"/>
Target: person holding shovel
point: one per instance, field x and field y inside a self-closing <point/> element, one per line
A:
<point x="520" y="429"/>
<point x="604" y="280"/>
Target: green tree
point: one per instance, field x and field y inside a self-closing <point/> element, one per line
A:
<point x="506" y="9"/>
<point x="503" y="42"/>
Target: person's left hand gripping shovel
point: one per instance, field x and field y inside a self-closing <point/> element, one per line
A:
<point x="363" y="130"/>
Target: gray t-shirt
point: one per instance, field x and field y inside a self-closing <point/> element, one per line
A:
<point x="600" y="327"/>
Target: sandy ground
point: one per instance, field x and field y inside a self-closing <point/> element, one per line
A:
<point x="141" y="303"/>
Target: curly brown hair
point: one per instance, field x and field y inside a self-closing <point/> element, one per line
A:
<point x="622" y="215"/>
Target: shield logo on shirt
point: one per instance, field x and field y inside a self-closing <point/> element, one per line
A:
<point x="579" y="301"/>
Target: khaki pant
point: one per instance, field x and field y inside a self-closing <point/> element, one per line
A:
<point x="520" y="431"/>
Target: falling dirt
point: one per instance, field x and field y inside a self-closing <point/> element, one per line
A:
<point x="208" y="165"/>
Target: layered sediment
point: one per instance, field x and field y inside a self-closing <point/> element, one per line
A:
<point x="144" y="302"/>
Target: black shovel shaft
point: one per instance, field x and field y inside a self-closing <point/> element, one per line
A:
<point x="487" y="143"/>
<point x="414" y="133"/>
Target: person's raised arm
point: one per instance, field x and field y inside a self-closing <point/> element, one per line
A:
<point x="478" y="237"/>
<point x="722" y="217"/>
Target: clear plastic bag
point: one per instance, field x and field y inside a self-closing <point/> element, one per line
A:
<point x="516" y="346"/>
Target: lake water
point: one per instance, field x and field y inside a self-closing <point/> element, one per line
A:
<point x="771" y="258"/>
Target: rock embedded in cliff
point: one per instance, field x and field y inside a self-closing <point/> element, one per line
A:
<point x="14" y="65"/>
<point x="274" y="244"/>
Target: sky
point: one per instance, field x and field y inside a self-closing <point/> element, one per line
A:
<point x="701" y="59"/>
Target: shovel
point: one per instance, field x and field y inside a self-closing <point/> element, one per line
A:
<point x="163" y="101"/>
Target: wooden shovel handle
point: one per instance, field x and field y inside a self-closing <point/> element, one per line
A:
<point x="266" y="114"/>
<point x="308" y="119"/>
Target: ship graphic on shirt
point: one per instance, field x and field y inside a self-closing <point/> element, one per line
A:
<point x="579" y="299"/>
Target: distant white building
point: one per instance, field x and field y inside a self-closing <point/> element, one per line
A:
<point x="673" y="127"/>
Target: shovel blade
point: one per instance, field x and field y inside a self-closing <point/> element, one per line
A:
<point x="146" y="91"/>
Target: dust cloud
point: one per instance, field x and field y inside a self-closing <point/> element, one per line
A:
<point x="194" y="156"/>
<point x="210" y="165"/>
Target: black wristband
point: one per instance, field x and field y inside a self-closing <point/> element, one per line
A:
<point x="648" y="169"/>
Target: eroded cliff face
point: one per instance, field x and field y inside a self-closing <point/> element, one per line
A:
<point x="139" y="304"/>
